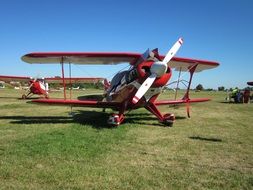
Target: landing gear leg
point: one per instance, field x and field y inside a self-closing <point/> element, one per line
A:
<point x="167" y="119"/>
<point x="24" y="96"/>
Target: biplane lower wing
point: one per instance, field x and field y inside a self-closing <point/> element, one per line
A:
<point x="101" y="104"/>
<point x="182" y="101"/>
<point x="250" y="83"/>
<point x="79" y="103"/>
<point x="14" y="78"/>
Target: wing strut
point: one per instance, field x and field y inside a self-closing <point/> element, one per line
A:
<point x="186" y="96"/>
<point x="191" y="70"/>
<point x="63" y="78"/>
<point x="178" y="82"/>
<point x="70" y="81"/>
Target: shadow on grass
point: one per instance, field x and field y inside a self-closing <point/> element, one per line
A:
<point x="15" y="98"/>
<point x="99" y="119"/>
<point x="30" y="98"/>
<point x="145" y="119"/>
<point x="19" y="98"/>
<point x="96" y="97"/>
<point x="36" y="119"/>
<point x="205" y="139"/>
<point x="96" y="119"/>
<point x="225" y="102"/>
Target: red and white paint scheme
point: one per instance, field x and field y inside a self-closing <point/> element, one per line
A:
<point x="139" y="86"/>
<point x="39" y="86"/>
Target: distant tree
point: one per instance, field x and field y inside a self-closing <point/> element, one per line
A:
<point x="199" y="87"/>
<point x="221" y="88"/>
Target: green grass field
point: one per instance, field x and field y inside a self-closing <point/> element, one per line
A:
<point x="43" y="147"/>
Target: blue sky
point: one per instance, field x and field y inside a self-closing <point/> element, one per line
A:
<point x="219" y="30"/>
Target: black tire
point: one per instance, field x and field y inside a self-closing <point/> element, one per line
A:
<point x="23" y="96"/>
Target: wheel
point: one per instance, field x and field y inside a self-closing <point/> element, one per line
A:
<point x="168" y="123"/>
<point x="23" y="96"/>
<point x="115" y="120"/>
<point x="168" y="119"/>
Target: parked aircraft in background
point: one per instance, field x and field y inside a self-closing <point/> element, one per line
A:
<point x="39" y="86"/>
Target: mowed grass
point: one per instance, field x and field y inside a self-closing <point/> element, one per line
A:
<point x="43" y="147"/>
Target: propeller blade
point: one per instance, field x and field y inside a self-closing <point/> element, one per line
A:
<point x="173" y="50"/>
<point x="144" y="88"/>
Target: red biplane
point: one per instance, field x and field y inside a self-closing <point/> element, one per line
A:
<point x="139" y="86"/>
<point x="39" y="86"/>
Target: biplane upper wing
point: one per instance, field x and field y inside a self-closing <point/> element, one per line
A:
<point x="112" y="58"/>
<point x="81" y="57"/>
<point x="184" y="64"/>
<point x="14" y="78"/>
<point x="79" y="103"/>
<point x="73" y="80"/>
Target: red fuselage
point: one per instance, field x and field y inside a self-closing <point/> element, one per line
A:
<point x="36" y="87"/>
<point x="124" y="93"/>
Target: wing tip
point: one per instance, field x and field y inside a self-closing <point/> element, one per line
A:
<point x="181" y="40"/>
<point x="135" y="99"/>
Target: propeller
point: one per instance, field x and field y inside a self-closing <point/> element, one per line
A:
<point x="157" y="69"/>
